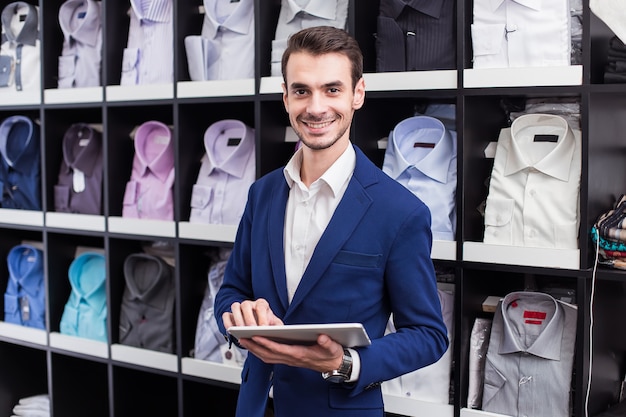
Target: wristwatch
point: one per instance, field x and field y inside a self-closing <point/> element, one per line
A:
<point x="343" y="373"/>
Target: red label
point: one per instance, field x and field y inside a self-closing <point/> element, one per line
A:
<point x="533" y="321"/>
<point x="540" y="315"/>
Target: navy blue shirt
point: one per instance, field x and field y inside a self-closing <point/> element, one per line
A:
<point x="415" y="35"/>
<point x="20" y="166"/>
<point x="24" y="299"/>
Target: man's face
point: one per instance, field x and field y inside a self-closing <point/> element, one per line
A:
<point x="320" y="99"/>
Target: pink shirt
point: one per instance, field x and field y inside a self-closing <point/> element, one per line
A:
<point x="149" y="193"/>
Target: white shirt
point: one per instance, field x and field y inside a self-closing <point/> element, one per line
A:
<point x="308" y="212"/>
<point x="20" y="61"/>
<point x="431" y="383"/>
<point x="521" y="33"/>
<point x="295" y="15"/>
<point x="533" y="197"/>
<point x="421" y="155"/>
<point x="225" y="48"/>
<point x="228" y="169"/>
<point x="149" y="55"/>
<point x="310" y="209"/>
<point x="81" y="58"/>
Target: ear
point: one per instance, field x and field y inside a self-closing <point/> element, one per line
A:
<point x="359" y="94"/>
<point x="285" y="97"/>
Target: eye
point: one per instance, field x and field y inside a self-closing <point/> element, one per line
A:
<point x="299" y="92"/>
<point x="333" y="90"/>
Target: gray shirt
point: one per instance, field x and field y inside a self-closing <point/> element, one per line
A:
<point x="529" y="362"/>
<point x="147" y="311"/>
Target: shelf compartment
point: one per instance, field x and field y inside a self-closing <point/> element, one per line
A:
<point x="522" y="77"/>
<point x="75" y="221"/>
<point x="23" y="333"/>
<point x="211" y="370"/>
<point x="145" y="227"/>
<point x="217" y="88"/>
<point x="79" y="345"/>
<point x="519" y="255"/>
<point x="73" y="95"/>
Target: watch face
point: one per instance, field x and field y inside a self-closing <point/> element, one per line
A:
<point x="336" y="379"/>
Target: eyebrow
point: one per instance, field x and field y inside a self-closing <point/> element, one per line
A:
<point x="297" y="85"/>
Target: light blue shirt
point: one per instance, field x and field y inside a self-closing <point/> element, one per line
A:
<point x="85" y="313"/>
<point x="24" y="299"/>
<point x="228" y="169"/>
<point x="81" y="57"/>
<point x="422" y="156"/>
<point x="225" y="48"/>
<point x="149" y="54"/>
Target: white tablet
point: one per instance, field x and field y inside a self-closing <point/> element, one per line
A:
<point x="347" y="334"/>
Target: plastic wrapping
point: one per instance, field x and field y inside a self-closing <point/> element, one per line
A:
<point x="479" y="342"/>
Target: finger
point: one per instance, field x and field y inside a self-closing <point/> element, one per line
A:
<point x="237" y="317"/>
<point x="248" y="313"/>
<point x="228" y="320"/>
<point x="263" y="312"/>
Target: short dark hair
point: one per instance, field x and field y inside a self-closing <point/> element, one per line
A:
<point x="319" y="40"/>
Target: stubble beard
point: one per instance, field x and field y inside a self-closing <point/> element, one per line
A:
<point x="318" y="146"/>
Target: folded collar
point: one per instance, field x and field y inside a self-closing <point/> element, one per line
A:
<point x="87" y="276"/>
<point x="557" y="162"/>
<point x="87" y="28"/>
<point x="25" y="263"/>
<point x="436" y="163"/>
<point x="27" y="146"/>
<point x="158" y="10"/>
<point x="235" y="163"/>
<point x="146" y="137"/>
<point x="531" y="4"/>
<point x="146" y="277"/>
<point x="323" y="9"/>
<point x="87" y="156"/>
<point x="30" y="30"/>
<point x="548" y="343"/>
<point x="238" y="21"/>
<point x="428" y="7"/>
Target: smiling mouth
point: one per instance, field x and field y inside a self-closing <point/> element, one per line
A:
<point x="317" y="125"/>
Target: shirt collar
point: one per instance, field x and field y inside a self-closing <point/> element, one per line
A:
<point x="235" y="163"/>
<point x="163" y="163"/>
<point x="335" y="176"/>
<point x="531" y="4"/>
<point x="87" y="28"/>
<point x="436" y="163"/>
<point x="29" y="33"/>
<point x="27" y="142"/>
<point x="428" y="7"/>
<point x="238" y="21"/>
<point x="86" y="157"/>
<point x="157" y="11"/>
<point x="323" y="9"/>
<point x="557" y="162"/>
<point x="28" y="278"/>
<point x="548" y="343"/>
<point x="145" y="284"/>
<point x="89" y="268"/>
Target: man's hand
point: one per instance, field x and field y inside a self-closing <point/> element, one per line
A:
<point x="324" y="356"/>
<point x="251" y="313"/>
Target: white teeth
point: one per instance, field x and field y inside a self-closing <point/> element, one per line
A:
<point x="318" y="125"/>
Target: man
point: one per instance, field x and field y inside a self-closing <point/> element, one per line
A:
<point x="328" y="239"/>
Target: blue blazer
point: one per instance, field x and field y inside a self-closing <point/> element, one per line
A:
<point x="373" y="259"/>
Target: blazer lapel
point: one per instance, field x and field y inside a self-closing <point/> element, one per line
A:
<point x="275" y="227"/>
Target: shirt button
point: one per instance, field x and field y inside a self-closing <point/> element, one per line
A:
<point x="532" y="193"/>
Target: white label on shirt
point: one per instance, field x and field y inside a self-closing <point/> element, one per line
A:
<point x="78" y="181"/>
<point x="83" y="142"/>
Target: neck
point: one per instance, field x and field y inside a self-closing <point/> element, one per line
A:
<point x="316" y="162"/>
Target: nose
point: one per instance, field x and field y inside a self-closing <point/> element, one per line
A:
<point x="317" y="104"/>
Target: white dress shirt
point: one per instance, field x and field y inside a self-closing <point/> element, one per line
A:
<point x="421" y="155"/>
<point x="431" y="383"/>
<point x="228" y="169"/>
<point x="81" y="57"/>
<point x="533" y="197"/>
<point x="225" y="48"/>
<point x="521" y="33"/>
<point x="308" y="212"/>
<point x="149" y="55"/>
<point x="295" y="15"/>
<point x="20" y="54"/>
